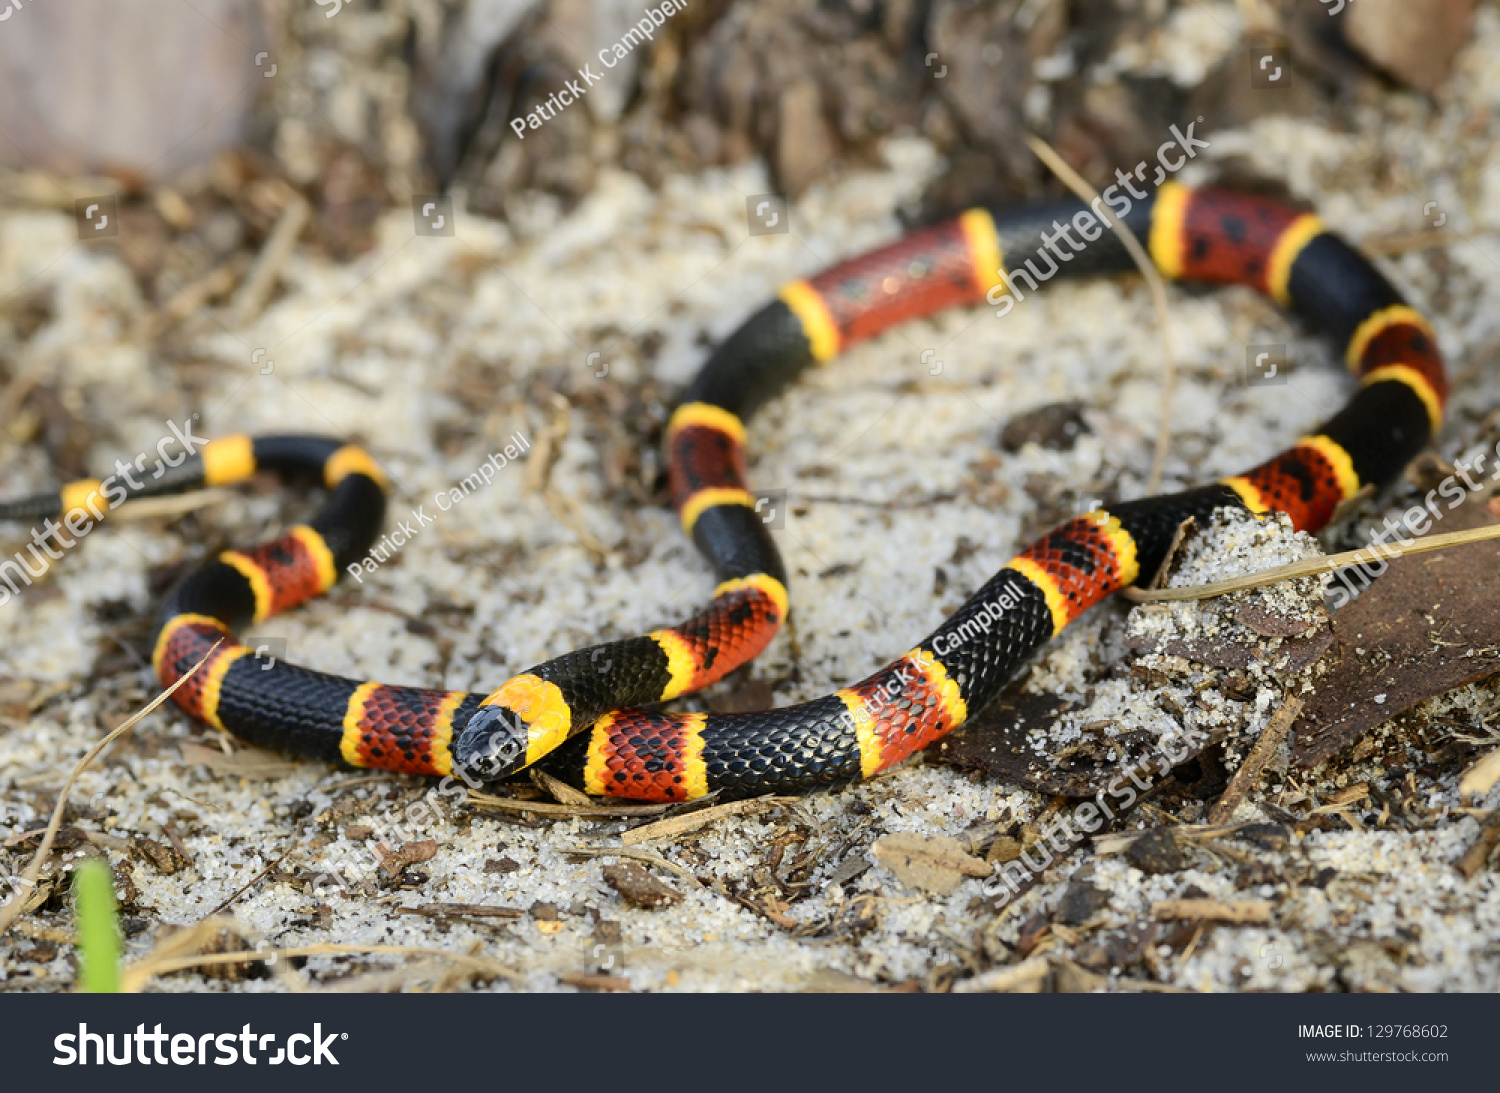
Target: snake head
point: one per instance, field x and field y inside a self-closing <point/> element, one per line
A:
<point x="491" y="746"/>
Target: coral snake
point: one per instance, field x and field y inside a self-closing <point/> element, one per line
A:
<point x="580" y="710"/>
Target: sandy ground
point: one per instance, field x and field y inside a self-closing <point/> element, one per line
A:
<point x="435" y="350"/>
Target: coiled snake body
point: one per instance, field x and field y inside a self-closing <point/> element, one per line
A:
<point x="581" y="710"/>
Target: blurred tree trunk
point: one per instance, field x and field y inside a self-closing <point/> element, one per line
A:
<point x="144" y="89"/>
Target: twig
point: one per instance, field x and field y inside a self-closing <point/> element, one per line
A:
<point x="1116" y="842"/>
<point x="462" y="910"/>
<point x="538" y="478"/>
<point x="682" y="825"/>
<point x="169" y="829"/>
<point x="192" y="297"/>
<point x="138" y="974"/>
<point x="1387" y="245"/>
<point x="41" y="189"/>
<point x="1268" y="744"/>
<point x="1028" y="977"/>
<point x="1479" y="852"/>
<point x="12" y="910"/>
<point x="253" y="881"/>
<point x="1075" y="182"/>
<point x="1347" y="560"/>
<point x="1479" y="778"/>
<point x="256" y="288"/>
<point x="549" y="440"/>
<point x="1248" y="912"/>
<point x="547" y="808"/>
<point x="559" y="790"/>
<point x="146" y="508"/>
<point x="647" y="856"/>
<point x="586" y="982"/>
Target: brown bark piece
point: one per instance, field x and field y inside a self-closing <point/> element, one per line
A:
<point x="805" y="144"/>
<point x="1271" y="739"/>
<point x="1302" y="644"/>
<point x="1429" y="624"/>
<point x="997" y="742"/>
<point x="1236" y="911"/>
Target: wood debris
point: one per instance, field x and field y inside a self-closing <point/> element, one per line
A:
<point x="1241" y="912"/>
<point x="693" y="821"/>
<point x="1481" y="777"/>
<point x="548" y="808"/>
<point x="462" y="910"/>
<point x="596" y="982"/>
<point x="1267" y="745"/>
<point x="1031" y="976"/>
<point x="1478" y="854"/>
<point x="1428" y="624"/>
<point x="559" y="790"/>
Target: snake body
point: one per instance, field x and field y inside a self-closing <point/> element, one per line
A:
<point x="580" y="712"/>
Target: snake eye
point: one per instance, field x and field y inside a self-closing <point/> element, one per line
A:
<point x="492" y="745"/>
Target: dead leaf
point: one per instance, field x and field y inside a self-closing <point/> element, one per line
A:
<point x="1004" y="849"/>
<point x="638" y="887"/>
<point x="775" y="911"/>
<point x="1269" y="624"/>
<point x="394" y="861"/>
<point x="935" y="865"/>
<point x="1414" y="40"/>
<point x="1055" y="427"/>
<point x="163" y="858"/>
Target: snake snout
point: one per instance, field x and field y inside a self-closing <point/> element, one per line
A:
<point x="491" y="746"/>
